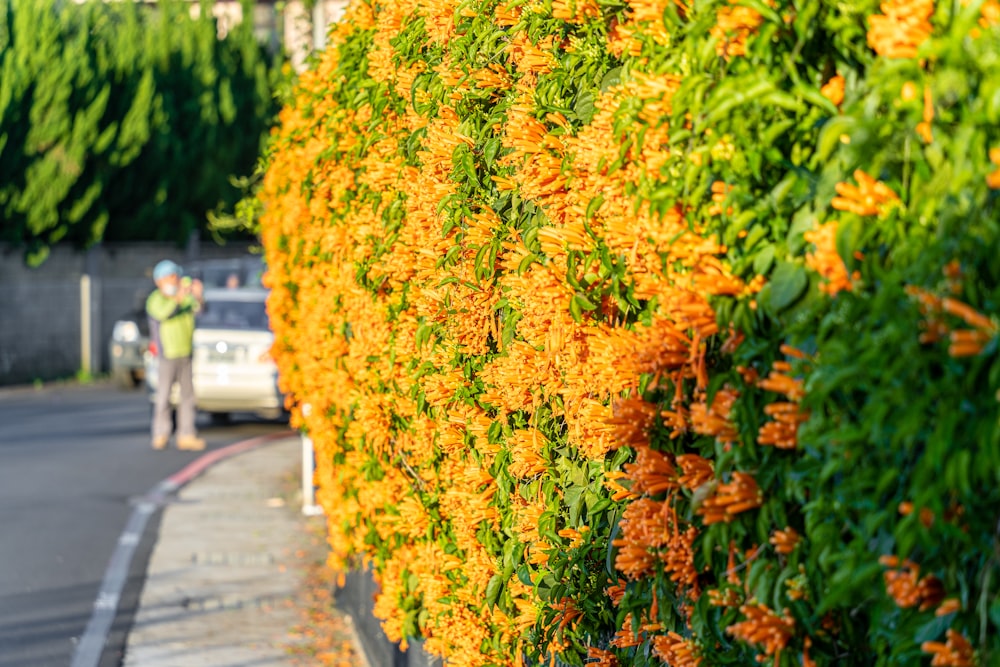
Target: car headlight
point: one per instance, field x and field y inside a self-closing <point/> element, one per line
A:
<point x="125" y="331"/>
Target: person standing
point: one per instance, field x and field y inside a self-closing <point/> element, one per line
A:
<point x="171" y="309"/>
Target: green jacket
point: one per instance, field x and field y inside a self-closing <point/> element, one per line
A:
<point x="173" y="323"/>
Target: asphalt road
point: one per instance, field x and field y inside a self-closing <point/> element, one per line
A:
<point x="72" y="459"/>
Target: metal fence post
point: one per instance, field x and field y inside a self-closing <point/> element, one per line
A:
<point x="90" y="313"/>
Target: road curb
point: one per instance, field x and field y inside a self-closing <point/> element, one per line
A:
<point x="194" y="469"/>
<point x="91" y="646"/>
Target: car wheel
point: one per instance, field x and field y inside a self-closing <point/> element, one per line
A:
<point x="124" y="379"/>
<point x="220" y="418"/>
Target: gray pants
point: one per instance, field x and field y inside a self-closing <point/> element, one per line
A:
<point x="170" y="371"/>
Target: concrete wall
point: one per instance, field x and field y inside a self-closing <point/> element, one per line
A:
<point x="40" y="309"/>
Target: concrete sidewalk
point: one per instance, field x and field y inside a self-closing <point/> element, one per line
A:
<point x="226" y="573"/>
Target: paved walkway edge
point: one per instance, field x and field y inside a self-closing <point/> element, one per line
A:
<point x="91" y="646"/>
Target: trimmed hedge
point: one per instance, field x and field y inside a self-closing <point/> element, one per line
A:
<point x="652" y="332"/>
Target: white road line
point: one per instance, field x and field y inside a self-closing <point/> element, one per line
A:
<point x="91" y="646"/>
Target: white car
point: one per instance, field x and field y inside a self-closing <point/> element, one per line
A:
<point x="232" y="367"/>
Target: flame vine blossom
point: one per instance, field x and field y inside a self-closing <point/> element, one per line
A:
<point x="529" y="305"/>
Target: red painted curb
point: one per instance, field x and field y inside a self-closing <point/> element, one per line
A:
<point x="204" y="462"/>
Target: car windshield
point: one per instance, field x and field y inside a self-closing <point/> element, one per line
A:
<point x="221" y="314"/>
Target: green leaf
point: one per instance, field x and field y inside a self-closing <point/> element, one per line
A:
<point x="829" y="139"/>
<point x="469" y="167"/>
<point x="764" y="260"/>
<point x="994" y="612"/>
<point x="594" y="205"/>
<point x="584" y="107"/>
<point x="526" y="262"/>
<point x="583" y="302"/>
<point x="490" y="151"/>
<point x="933" y="629"/>
<point x="575" y="311"/>
<point x="848" y="238"/>
<point x="493" y="589"/>
<point x="612" y="78"/>
<point x="788" y="283"/>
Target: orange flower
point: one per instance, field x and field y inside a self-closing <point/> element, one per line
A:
<point x="676" y="651"/>
<point x="901" y="29"/>
<point x="714" y="419"/>
<point x="806" y="660"/>
<point x="738" y="495"/>
<point x="990" y="14"/>
<point x="826" y="261"/>
<point x="924" y="127"/>
<point x="696" y="471"/>
<point x="529" y="57"/>
<point x="785" y="541"/>
<point x="903" y="586"/>
<point x="720" y="191"/>
<point x="926" y="515"/>
<point x="833" y="90"/>
<point x="869" y="197"/>
<point x="626" y="637"/>
<point x="783" y="431"/>
<point x="616" y="592"/>
<point x="955" y="652"/>
<point x="506" y="16"/>
<point x="734" y="24"/>
<point x="764" y="627"/>
<point x="780" y="383"/>
<point x="993" y="178"/>
<point x="949" y="606"/>
<point x="575" y="11"/>
<point x="969" y="314"/>
<point x="598" y="657"/>
<point x="963" y="342"/>
<point x="632" y="421"/>
<point x="652" y="473"/>
<point x="727" y="597"/>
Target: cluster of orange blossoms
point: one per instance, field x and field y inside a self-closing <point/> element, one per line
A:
<point x="734" y="24"/>
<point x="901" y="28"/>
<point x="763" y="626"/>
<point x="962" y="342"/>
<point x="956" y="651"/>
<point x="826" y="261"/>
<point x="676" y="651"/>
<point x="786" y="540"/>
<point x="738" y="495"/>
<point x="904" y="584"/>
<point x="868" y="197"/>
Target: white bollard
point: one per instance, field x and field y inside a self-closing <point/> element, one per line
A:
<point x="309" y="506"/>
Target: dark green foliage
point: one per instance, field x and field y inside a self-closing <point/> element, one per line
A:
<point x="121" y="121"/>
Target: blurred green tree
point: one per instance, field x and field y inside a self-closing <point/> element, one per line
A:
<point x="123" y="122"/>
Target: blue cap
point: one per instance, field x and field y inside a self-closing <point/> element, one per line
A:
<point x="166" y="268"/>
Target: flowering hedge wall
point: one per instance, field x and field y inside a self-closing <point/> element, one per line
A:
<point x="650" y="331"/>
